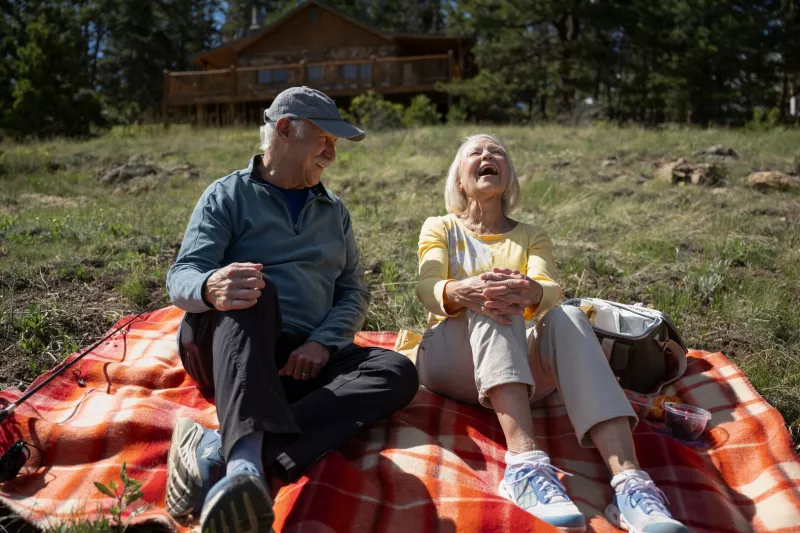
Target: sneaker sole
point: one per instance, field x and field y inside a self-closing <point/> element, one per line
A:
<point x="179" y="493"/>
<point x="504" y="493"/>
<point x="613" y="515"/>
<point x="245" y="507"/>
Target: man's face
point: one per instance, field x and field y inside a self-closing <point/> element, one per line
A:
<point x="311" y="153"/>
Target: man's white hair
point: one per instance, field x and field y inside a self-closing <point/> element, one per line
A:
<point x="456" y="201"/>
<point x="267" y="132"/>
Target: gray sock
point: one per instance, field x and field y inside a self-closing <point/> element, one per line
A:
<point x="247" y="450"/>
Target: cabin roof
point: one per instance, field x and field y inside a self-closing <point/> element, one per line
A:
<point x="225" y="55"/>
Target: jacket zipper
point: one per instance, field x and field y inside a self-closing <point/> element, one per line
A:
<point x="300" y="215"/>
<point x="295" y="225"/>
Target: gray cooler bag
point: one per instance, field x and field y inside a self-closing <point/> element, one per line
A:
<point x="642" y="346"/>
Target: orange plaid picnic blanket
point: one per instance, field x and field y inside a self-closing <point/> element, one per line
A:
<point x="434" y="466"/>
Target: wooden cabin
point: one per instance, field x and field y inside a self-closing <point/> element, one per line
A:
<point x="317" y="46"/>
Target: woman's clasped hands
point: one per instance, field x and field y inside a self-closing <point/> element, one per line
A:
<point x="499" y="294"/>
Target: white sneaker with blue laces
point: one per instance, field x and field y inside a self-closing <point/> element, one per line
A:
<point x="531" y="482"/>
<point x="639" y="506"/>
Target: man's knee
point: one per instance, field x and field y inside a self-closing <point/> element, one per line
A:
<point x="401" y="375"/>
<point x="270" y="290"/>
<point x="268" y="301"/>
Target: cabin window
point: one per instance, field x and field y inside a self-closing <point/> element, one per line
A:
<point x="268" y="77"/>
<point x="349" y="72"/>
<point x="313" y="73"/>
<point x="361" y="71"/>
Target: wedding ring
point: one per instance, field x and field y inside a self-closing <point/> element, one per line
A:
<point x="305" y="374"/>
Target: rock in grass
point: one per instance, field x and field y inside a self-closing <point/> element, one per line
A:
<point x="681" y="171"/>
<point x="664" y="170"/>
<point x="139" y="166"/>
<point x="772" y="180"/>
<point x="136" y="167"/>
<point x="719" y="150"/>
<point x="705" y="174"/>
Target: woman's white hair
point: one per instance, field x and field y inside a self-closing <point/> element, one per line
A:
<point x="456" y="201"/>
<point x="267" y="132"/>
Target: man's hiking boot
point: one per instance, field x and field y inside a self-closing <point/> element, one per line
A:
<point x="194" y="465"/>
<point x="238" y="503"/>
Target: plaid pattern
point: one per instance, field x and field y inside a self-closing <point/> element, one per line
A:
<point x="433" y="466"/>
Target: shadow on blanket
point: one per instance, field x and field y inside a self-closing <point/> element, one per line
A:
<point x="434" y="466"/>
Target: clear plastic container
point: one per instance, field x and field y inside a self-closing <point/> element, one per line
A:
<point x="686" y="422"/>
<point x="640" y="407"/>
<point x="641" y="403"/>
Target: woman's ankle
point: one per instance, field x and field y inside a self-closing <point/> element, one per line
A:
<point x="521" y="447"/>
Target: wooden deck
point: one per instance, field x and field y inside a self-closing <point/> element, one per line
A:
<point x="384" y="75"/>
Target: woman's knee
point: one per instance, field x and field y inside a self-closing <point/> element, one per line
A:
<point x="566" y="316"/>
<point x="486" y="334"/>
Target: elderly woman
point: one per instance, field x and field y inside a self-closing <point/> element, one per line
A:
<point x="482" y="276"/>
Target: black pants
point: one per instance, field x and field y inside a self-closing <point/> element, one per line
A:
<point x="237" y="355"/>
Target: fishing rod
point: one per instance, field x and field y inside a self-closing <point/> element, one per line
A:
<point x="7" y="410"/>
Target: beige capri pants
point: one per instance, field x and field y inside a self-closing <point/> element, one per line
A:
<point x="463" y="357"/>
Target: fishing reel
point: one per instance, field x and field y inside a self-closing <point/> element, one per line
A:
<point x="15" y="458"/>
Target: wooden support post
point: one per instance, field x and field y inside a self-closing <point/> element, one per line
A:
<point x="450" y="66"/>
<point x="164" y="104"/>
<point x="372" y="68"/>
<point x="303" y="72"/>
<point x="461" y="59"/>
<point x="233" y="81"/>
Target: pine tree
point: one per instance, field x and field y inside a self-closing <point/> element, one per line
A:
<point x="46" y="73"/>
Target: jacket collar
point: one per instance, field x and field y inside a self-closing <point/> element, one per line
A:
<point x="254" y="172"/>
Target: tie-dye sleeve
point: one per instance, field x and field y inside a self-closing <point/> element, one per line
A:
<point x="433" y="266"/>
<point x="541" y="268"/>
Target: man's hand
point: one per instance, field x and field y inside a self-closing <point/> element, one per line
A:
<point x="509" y="291"/>
<point x="306" y="361"/>
<point x="233" y="287"/>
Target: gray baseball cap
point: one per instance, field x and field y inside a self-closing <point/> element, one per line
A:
<point x="310" y="104"/>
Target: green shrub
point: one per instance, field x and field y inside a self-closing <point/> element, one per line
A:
<point x="372" y="111"/>
<point x="35" y="329"/>
<point x="456" y="115"/>
<point x="764" y="119"/>
<point x="421" y="112"/>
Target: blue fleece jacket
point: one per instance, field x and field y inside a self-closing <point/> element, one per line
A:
<point x="313" y="262"/>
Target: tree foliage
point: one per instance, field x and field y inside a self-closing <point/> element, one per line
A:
<point x="67" y="66"/>
<point x="691" y="61"/>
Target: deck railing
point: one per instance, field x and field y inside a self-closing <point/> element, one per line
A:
<point x="383" y="74"/>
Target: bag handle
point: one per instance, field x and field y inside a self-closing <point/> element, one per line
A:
<point x="677" y="353"/>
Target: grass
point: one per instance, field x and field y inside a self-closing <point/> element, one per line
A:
<point x="724" y="263"/>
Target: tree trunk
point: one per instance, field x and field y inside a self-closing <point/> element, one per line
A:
<point x="568" y="28"/>
<point x="784" y="99"/>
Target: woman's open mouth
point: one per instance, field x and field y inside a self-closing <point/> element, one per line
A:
<point x="487" y="170"/>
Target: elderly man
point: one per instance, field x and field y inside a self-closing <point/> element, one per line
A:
<point x="268" y="275"/>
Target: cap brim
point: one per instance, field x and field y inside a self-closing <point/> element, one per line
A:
<point x="340" y="128"/>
